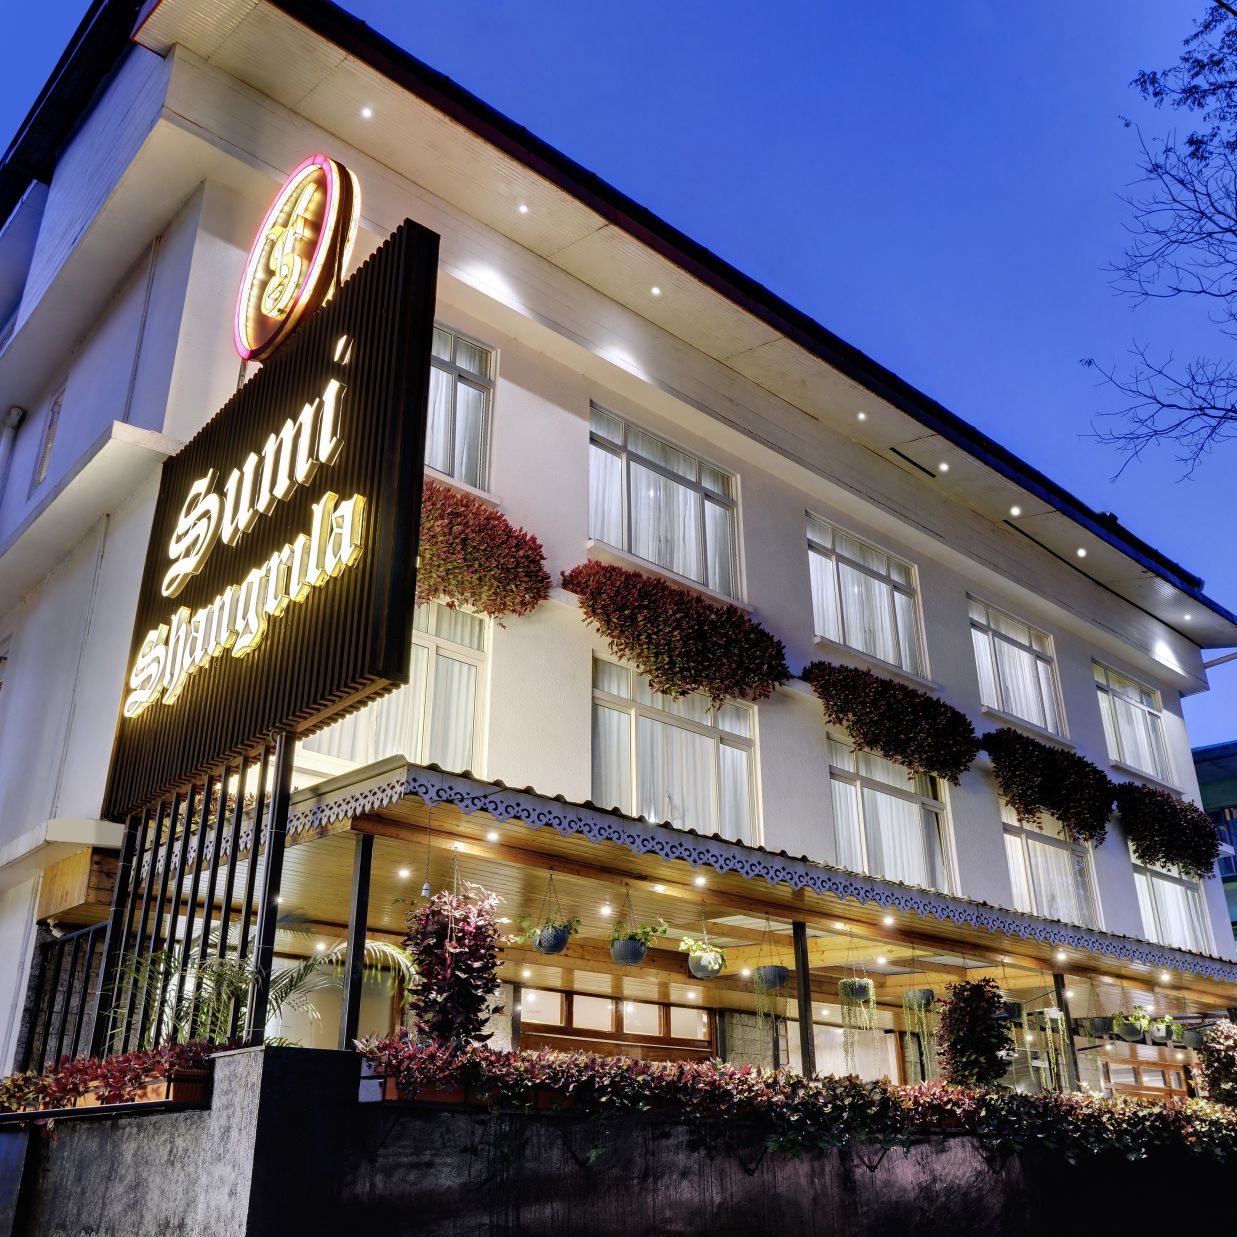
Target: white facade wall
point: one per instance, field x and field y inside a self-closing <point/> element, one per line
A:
<point x="159" y="355"/>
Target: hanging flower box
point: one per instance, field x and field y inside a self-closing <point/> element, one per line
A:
<point x="679" y="641"/>
<point x="1165" y="831"/>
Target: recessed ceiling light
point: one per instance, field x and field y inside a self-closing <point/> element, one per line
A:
<point x="942" y="467"/>
<point x="605" y="909"/>
<point x="404" y="874"/>
<point x="1165" y="976"/>
<point x="492" y="836"/>
<point x="888" y="921"/>
<point x="1069" y="992"/>
<point x="861" y="416"/>
<point x="839" y="927"/>
<point x="691" y="996"/>
<point x="525" y="973"/>
<point x="1061" y="955"/>
<point x="1185" y="618"/>
<point x="882" y="960"/>
<point x="1015" y="512"/>
<point x="279" y="901"/>
<point x="522" y="208"/>
<point x="745" y="972"/>
<point x="1081" y="552"/>
<point x="321" y="947"/>
<point x="367" y="113"/>
<point x="659" y="889"/>
<point x="699" y="880"/>
<point x="824" y="1011"/>
<point x="655" y="290"/>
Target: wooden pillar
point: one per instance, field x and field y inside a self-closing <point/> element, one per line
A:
<point x="803" y="990"/>
<point x="358" y="921"/>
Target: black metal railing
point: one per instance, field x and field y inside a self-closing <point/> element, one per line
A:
<point x="65" y="985"/>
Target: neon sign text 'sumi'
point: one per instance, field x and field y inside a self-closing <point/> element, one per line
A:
<point x="237" y="619"/>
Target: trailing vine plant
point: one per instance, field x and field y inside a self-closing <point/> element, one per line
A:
<point x="1166" y="831"/>
<point x="895" y="720"/>
<point x="1217" y="1064"/>
<point x="471" y="555"/>
<point x="677" y="639"/>
<point x="1034" y="777"/>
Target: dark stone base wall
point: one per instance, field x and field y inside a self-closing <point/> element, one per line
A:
<point x="286" y="1148"/>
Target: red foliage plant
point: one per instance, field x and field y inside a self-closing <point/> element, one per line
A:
<point x="471" y="555"/>
<point x="895" y="720"/>
<point x="1167" y="831"/>
<point x="454" y="940"/>
<point x="1035" y="777"/>
<point x="677" y="639"/>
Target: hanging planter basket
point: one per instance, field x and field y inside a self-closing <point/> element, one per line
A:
<point x="1100" y="1027"/>
<point x="1131" y="1032"/>
<point x="1192" y="1039"/>
<point x="551" y="938"/>
<point x="1013" y="1010"/>
<point x="628" y="952"/>
<point x="772" y="978"/>
<point x="550" y="932"/>
<point x="1162" y="1031"/>
<point x="706" y="965"/>
<point x="856" y="991"/>
<point x="918" y="1000"/>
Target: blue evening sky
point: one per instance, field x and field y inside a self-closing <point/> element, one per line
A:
<point x="939" y="184"/>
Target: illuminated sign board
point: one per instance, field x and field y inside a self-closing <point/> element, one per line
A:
<point x="298" y="255"/>
<point x="279" y="585"/>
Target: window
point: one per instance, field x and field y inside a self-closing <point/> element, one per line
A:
<point x="1050" y="874"/>
<point x="43" y="463"/>
<point x="1017" y="672"/>
<point x="862" y="597"/>
<point x="678" y="761"/>
<point x="1225" y="820"/>
<point x="431" y="720"/>
<point x="1132" y="723"/>
<point x="1172" y="908"/>
<point x="661" y="504"/>
<point x="888" y="824"/>
<point x="461" y="391"/>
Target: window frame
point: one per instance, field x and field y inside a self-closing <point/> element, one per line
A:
<point x="636" y="709"/>
<point x="624" y="453"/>
<point x="456" y="373"/>
<point x="988" y="628"/>
<point x="1154" y="932"/>
<point x="832" y="555"/>
<point x="1025" y="834"/>
<point x="938" y="806"/>
<point x="1112" y="731"/>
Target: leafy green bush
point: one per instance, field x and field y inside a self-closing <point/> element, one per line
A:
<point x="975" y="1038"/>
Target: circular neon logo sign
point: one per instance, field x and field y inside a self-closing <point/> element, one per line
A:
<point x="298" y="255"/>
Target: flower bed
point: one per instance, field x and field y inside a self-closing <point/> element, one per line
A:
<point x="174" y="1072"/>
<point x="798" y="1114"/>
<point x="472" y="555"/>
<point x="677" y="639"/>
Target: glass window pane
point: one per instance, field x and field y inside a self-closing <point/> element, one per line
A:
<point x="459" y="627"/>
<point x="899" y="572"/>
<point x="611" y="758"/>
<point x="1058" y="875"/>
<point x="1048" y="694"/>
<point x="908" y="632"/>
<point x="1110" y="730"/>
<point x="881" y="770"/>
<point x="735" y="786"/>
<point x="977" y="609"/>
<point x="452" y="725"/>
<point x="1179" y="911"/>
<point x="605" y="497"/>
<point x="1146" y="905"/>
<point x="661" y="453"/>
<point x="819" y="532"/>
<point x="676" y="776"/>
<point x="718" y="481"/>
<point x="592" y="1013"/>
<point x="605" y="426"/>
<point x="665" y="522"/>
<point x="472" y="357"/>
<point x="860" y="552"/>
<point x="537" y="1005"/>
<point x="735" y="719"/>
<point x="847" y="829"/>
<point x="867" y="615"/>
<point x="719" y="546"/>
<point x="641" y="1018"/>
<point x="468" y="456"/>
<point x="1019" y="671"/>
<point x="824" y="596"/>
<point x="896" y="839"/>
<point x="841" y="756"/>
<point x="438" y="431"/>
<point x="983" y="665"/>
<point x="1010" y="626"/>
<point x="441" y="347"/>
<point x="1139" y="748"/>
<point x="688" y="1023"/>
<point x="607" y="677"/>
<point x="1018" y="876"/>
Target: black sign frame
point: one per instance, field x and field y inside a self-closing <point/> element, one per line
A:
<point x="348" y="640"/>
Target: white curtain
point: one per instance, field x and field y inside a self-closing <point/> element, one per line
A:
<point x="867" y="615"/>
<point x="438" y="432"/>
<point x="665" y="522"/>
<point x="1141" y="739"/>
<point x="895" y="832"/>
<point x="719" y="543"/>
<point x="605" y="497"/>
<point x="1180" y="913"/>
<point x="824" y="596"/>
<point x="455" y="703"/>
<point x="988" y="691"/>
<point x="611" y="758"/>
<point x="1018" y="878"/>
<point x="1020" y="678"/>
<point x="1060" y="880"/>
<point x="908" y="631"/>
<point x="676" y="775"/>
<point x="735" y="785"/>
<point x="471" y="404"/>
<point x="847" y="828"/>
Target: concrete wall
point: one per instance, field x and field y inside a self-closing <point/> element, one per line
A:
<point x="286" y="1148"/>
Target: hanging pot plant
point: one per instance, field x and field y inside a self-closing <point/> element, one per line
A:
<point x="704" y="959"/>
<point x="679" y="641"/>
<point x="975" y="1036"/>
<point x="1100" y="1028"/>
<point x="919" y="1017"/>
<point x="1165" y="1030"/>
<point x="893" y="720"/>
<point x="1012" y="1011"/>
<point x="629" y="940"/>
<point x="918" y="1000"/>
<point x="551" y="930"/>
<point x="771" y="978"/>
<point x="856" y="991"/>
<point x="1131" y="1027"/>
<point x="1165" y="831"/>
<point x="1034" y="777"/>
<point x="1192" y="1039"/>
<point x="471" y="555"/>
